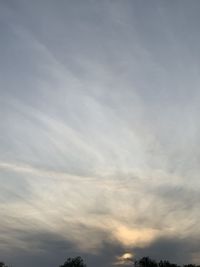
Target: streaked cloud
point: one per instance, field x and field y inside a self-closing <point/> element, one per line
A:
<point x="99" y="133"/>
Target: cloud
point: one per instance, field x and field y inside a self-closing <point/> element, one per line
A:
<point x="131" y="236"/>
<point x="57" y="203"/>
<point x="175" y="249"/>
<point x="99" y="142"/>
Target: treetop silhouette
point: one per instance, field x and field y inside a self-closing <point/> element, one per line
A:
<point x="73" y="262"/>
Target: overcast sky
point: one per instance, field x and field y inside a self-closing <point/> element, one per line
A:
<point x="100" y="131"/>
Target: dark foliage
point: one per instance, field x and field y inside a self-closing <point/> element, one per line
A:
<point x="148" y="262"/>
<point x="74" y="262"/>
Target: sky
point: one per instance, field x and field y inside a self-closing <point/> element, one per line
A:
<point x="99" y="132"/>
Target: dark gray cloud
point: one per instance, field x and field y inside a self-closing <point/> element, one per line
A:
<point x="177" y="250"/>
<point x="52" y="249"/>
<point x="43" y="248"/>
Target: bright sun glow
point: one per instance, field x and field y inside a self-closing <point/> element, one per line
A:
<point x="127" y="256"/>
<point x="124" y="258"/>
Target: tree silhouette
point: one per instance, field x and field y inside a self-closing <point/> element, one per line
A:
<point x="73" y="262"/>
<point x="147" y="262"/>
<point x="167" y="264"/>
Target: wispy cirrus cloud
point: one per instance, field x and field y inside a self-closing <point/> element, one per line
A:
<point x="99" y="130"/>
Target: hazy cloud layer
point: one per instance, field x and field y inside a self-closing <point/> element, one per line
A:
<point x="99" y="133"/>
